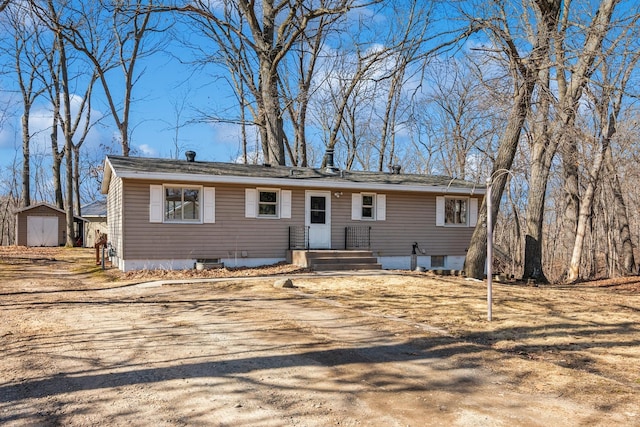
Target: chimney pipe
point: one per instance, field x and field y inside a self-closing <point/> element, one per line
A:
<point x="329" y="168"/>
<point x="190" y="155"/>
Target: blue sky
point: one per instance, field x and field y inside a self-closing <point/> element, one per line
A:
<point x="166" y="82"/>
<point x="153" y="116"/>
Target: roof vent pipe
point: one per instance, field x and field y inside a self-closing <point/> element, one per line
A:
<point x="395" y="169"/>
<point x="328" y="160"/>
<point x="190" y="155"/>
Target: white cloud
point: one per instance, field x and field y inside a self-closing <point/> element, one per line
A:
<point x="147" y="150"/>
<point x="7" y="137"/>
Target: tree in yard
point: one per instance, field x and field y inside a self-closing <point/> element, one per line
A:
<point x="344" y="99"/>
<point x="9" y="201"/>
<point x="524" y="65"/>
<point x="266" y="32"/>
<point x="60" y="82"/>
<point x="620" y="217"/>
<point x="297" y="85"/>
<point x="576" y="48"/>
<point x="23" y="46"/>
<point x="113" y="36"/>
<point x="409" y="27"/>
<point x="607" y="99"/>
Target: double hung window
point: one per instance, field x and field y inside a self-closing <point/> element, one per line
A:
<point x="273" y="203"/>
<point x="368" y="208"/>
<point x="182" y="204"/>
<point x="268" y="203"/>
<point x="452" y="211"/>
<point x="455" y="211"/>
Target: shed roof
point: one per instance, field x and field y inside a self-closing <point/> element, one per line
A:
<point x="48" y="206"/>
<point x="218" y="172"/>
<point x="97" y="208"/>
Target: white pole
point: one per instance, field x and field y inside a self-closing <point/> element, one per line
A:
<point x="489" y="251"/>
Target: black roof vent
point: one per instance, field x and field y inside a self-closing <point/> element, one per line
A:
<point x="190" y="155"/>
<point x="395" y="169"/>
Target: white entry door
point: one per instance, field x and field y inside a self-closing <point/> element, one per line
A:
<point x="42" y="231"/>
<point x="318" y="219"/>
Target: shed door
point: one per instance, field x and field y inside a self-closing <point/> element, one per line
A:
<point x="42" y="231"/>
<point x="318" y="219"/>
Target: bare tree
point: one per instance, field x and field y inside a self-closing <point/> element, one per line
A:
<point x="268" y="30"/>
<point x="297" y="87"/>
<point x="620" y="215"/>
<point x="462" y="119"/>
<point x="28" y="58"/>
<point x="572" y="78"/>
<point x="351" y="82"/>
<point x="114" y="36"/>
<point x="607" y="100"/>
<point x="69" y="125"/>
<point x="9" y="202"/>
<point x="408" y="33"/>
<point x="524" y="66"/>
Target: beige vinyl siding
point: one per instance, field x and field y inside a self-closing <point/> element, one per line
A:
<point x="410" y="217"/>
<point x="21" y="223"/>
<point x="230" y="236"/>
<point x="115" y="210"/>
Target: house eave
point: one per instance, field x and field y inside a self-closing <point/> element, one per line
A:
<point x="106" y="179"/>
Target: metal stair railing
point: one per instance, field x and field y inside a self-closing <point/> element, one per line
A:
<point x="357" y="237"/>
<point x="298" y="237"/>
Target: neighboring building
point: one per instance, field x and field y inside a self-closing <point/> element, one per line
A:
<point x="169" y="213"/>
<point x="96" y="215"/>
<point x="45" y="225"/>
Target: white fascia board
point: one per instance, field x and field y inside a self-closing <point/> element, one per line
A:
<point x="300" y="182"/>
<point x="106" y="178"/>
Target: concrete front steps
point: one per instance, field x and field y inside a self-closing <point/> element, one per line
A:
<point x="330" y="260"/>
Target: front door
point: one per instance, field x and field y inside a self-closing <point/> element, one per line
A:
<point x="318" y="219"/>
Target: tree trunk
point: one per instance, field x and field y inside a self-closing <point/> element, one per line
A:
<point x="586" y="207"/>
<point x="56" y="168"/>
<point x="76" y="181"/>
<point x="272" y="114"/>
<point x="69" y="191"/>
<point x="621" y="217"/>
<point x="56" y="158"/>
<point x="533" y="268"/>
<point x="26" y="159"/>
<point x="570" y="94"/>
<point x="65" y="122"/>
<point x="571" y="203"/>
<point x="543" y="150"/>
<point x="477" y="254"/>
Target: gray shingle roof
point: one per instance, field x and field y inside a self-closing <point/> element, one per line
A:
<point x="95" y="208"/>
<point x="142" y="166"/>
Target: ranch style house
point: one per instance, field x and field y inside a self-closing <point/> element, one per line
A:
<point x="174" y="214"/>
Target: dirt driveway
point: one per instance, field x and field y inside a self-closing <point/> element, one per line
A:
<point x="80" y="346"/>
